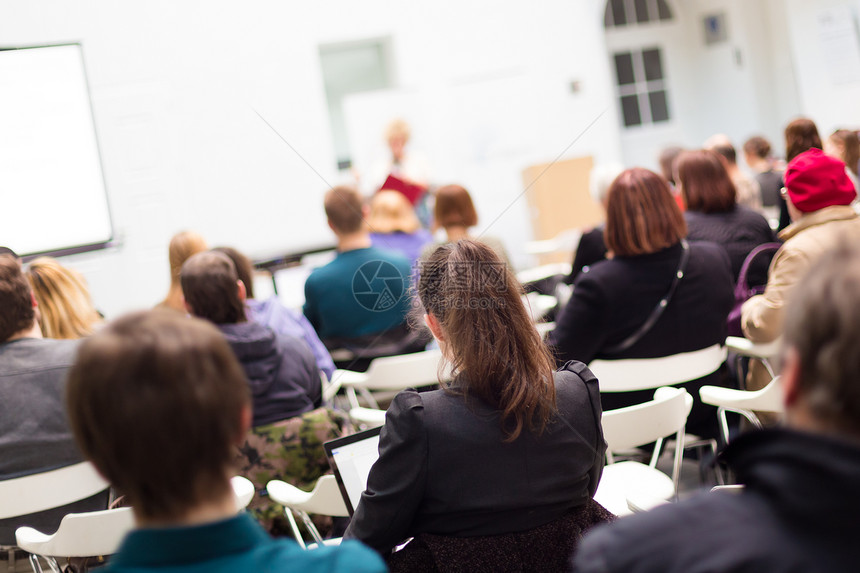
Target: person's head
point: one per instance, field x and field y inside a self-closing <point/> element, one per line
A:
<point x="642" y="217"/>
<point x="346" y="210"/>
<point x="601" y="179"/>
<point x="814" y="180"/>
<point x="845" y="146"/>
<point x="17" y="305"/>
<point x="244" y="268"/>
<point x="158" y="402"/>
<point x="182" y="246"/>
<point x="704" y="182"/>
<point x="800" y="135"/>
<point x="454" y="208"/>
<point x="667" y="160"/>
<point x="473" y="307"/>
<point x="65" y="307"/>
<point x="722" y="146"/>
<point x="391" y="211"/>
<point x="10" y="252"/>
<point x="757" y="147"/>
<point x="821" y="330"/>
<point x="212" y="288"/>
<point x="397" y="136"/>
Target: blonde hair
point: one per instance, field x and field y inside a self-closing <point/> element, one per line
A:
<point x="397" y="128"/>
<point x="182" y="247"/>
<point x="65" y="307"/>
<point x="391" y="211"/>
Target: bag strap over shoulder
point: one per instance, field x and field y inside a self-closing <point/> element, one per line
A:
<point x="658" y="310"/>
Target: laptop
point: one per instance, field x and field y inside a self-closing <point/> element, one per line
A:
<point x="351" y="458"/>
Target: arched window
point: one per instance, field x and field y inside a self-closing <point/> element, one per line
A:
<point x="631" y="12"/>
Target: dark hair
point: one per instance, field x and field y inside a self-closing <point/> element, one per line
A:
<point x="155" y="401"/>
<point x="822" y="324"/>
<point x="244" y="268"/>
<point x="642" y="217"/>
<point x="454" y="207"/>
<point x="757" y="146"/>
<point x="850" y="145"/>
<point x="494" y="349"/>
<point x="210" y="286"/>
<point x="705" y="184"/>
<point x="16" y="302"/>
<point x="667" y="160"/>
<point x="727" y="151"/>
<point x="800" y="135"/>
<point x="343" y="207"/>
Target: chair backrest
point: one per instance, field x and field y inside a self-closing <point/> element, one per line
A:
<point x="47" y="490"/>
<point x="324" y="499"/>
<point x="243" y="491"/>
<point x="80" y="534"/>
<point x="642" y="424"/>
<point x="630" y="374"/>
<point x="405" y="371"/>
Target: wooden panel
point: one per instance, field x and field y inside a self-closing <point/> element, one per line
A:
<point x="559" y="200"/>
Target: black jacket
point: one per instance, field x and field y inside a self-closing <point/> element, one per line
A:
<point x="281" y="371"/>
<point x="615" y="297"/>
<point x="739" y="231"/>
<point x="444" y="467"/>
<point x="591" y="249"/>
<point x="799" y="512"/>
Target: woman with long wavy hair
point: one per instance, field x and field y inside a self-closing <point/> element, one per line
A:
<point x="509" y="445"/>
<point x="66" y="310"/>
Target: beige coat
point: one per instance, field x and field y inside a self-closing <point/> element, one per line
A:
<point x="805" y="241"/>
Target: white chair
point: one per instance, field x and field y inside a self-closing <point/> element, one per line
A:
<point x="367" y="417"/>
<point x="96" y="532"/>
<point x="541" y="272"/>
<point x="324" y="499"/>
<point x="743" y="402"/>
<point x="635" y="426"/>
<point x="766" y="352"/>
<point x="565" y="242"/>
<point x="627" y="375"/>
<point x="390" y="373"/>
<point x="538" y="305"/>
<point x="47" y="490"/>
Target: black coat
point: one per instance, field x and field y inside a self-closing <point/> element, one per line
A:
<point x="739" y="231"/>
<point x="591" y="249"/>
<point x="798" y="513"/>
<point x="615" y="297"/>
<point x="444" y="467"/>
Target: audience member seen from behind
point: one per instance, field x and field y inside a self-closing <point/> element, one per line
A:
<point x="592" y="247"/>
<point x="798" y="509"/>
<point x="65" y="307"/>
<point x="757" y="154"/>
<point x="844" y="145"/>
<point x="748" y="190"/>
<point x="614" y="299"/>
<point x="182" y="246"/>
<point x="801" y="135"/>
<point x="363" y="292"/>
<point x="394" y="226"/>
<point x="508" y="446"/>
<point x="159" y="404"/>
<point x="34" y="430"/>
<point x="667" y="162"/>
<point x="281" y="370"/>
<point x="455" y="213"/>
<point x="272" y="312"/>
<point x="714" y="215"/>
<point x="819" y="195"/>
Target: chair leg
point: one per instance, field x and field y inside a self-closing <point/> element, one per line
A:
<point x="679" y="457"/>
<point x="34" y="564"/>
<point x="295" y="527"/>
<point x="312" y="528"/>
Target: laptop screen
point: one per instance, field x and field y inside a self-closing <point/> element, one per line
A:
<point x="351" y="458"/>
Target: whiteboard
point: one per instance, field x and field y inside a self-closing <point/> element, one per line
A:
<point x="52" y="191"/>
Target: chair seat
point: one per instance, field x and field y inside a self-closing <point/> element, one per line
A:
<point x="768" y="399"/>
<point x="633" y="480"/>
<point x="746" y="347"/>
<point x="333" y="542"/>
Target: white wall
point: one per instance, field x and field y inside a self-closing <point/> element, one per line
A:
<point x="830" y="103"/>
<point x="175" y="86"/>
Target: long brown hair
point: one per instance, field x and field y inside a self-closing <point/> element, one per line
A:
<point x="800" y="135"/>
<point x="495" y="351"/>
<point x="848" y="144"/>
<point x="642" y="217"/>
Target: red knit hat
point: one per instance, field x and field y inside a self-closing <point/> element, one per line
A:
<point x="814" y="181"/>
